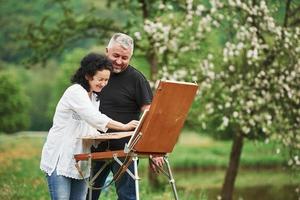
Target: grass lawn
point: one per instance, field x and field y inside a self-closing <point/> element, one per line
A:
<point x="22" y="179"/>
<point x="199" y="151"/>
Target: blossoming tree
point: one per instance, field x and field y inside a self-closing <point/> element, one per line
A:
<point x="169" y="34"/>
<point x="254" y="92"/>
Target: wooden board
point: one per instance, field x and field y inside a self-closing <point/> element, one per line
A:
<point x="164" y="120"/>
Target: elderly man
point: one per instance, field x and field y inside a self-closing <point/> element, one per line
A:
<point x="126" y="95"/>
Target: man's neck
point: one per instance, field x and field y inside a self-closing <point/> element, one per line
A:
<point x="122" y="72"/>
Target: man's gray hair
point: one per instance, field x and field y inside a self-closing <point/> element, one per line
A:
<point x="122" y="39"/>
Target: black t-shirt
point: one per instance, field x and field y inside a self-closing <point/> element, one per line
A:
<point x="122" y="98"/>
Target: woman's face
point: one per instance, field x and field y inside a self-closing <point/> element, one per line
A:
<point x="99" y="80"/>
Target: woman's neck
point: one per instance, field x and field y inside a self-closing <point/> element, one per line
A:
<point x="90" y="94"/>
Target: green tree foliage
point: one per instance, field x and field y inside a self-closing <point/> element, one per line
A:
<point x="164" y="33"/>
<point x="15" y="19"/>
<point x="38" y="85"/>
<point x="168" y="35"/>
<point x="14" y="104"/>
<point x="19" y="18"/>
<point x="72" y="29"/>
<point x="15" y="16"/>
<point x="68" y="66"/>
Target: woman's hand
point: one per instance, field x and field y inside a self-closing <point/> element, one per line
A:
<point x="131" y="125"/>
<point x="115" y="125"/>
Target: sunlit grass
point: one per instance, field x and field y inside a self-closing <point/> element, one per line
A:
<point x="194" y="151"/>
<point x="199" y="164"/>
<point x="19" y="169"/>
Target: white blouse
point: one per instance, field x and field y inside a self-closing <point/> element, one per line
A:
<point x="76" y="115"/>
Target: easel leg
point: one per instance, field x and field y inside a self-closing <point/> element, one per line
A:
<point x="90" y="186"/>
<point x="171" y="179"/>
<point x="135" y="159"/>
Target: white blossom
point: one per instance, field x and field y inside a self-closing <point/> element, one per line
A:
<point x="235" y="114"/>
<point x="138" y="35"/>
<point x="225" y="121"/>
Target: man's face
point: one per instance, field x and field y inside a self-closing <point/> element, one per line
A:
<point x="119" y="56"/>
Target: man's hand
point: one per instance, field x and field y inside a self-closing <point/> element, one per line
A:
<point x="159" y="161"/>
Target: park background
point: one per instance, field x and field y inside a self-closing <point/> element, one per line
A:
<point x="241" y="139"/>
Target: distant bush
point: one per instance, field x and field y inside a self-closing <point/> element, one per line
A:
<point x="14" y="104"/>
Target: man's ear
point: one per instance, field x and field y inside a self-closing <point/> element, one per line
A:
<point x="106" y="51"/>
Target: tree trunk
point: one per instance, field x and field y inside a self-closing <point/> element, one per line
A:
<point x="152" y="60"/>
<point x="150" y="55"/>
<point x="232" y="170"/>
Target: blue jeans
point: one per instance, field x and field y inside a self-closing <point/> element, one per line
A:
<point x="125" y="186"/>
<point x="64" y="188"/>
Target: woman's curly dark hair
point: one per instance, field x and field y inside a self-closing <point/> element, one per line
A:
<point x="89" y="65"/>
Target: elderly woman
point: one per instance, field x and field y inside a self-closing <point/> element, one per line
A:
<point x="77" y="115"/>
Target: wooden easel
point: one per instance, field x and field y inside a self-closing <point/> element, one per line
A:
<point x="156" y="134"/>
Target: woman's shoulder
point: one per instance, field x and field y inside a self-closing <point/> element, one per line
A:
<point x="74" y="88"/>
